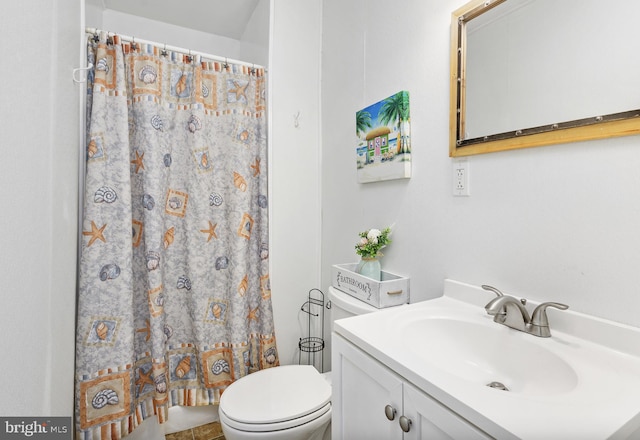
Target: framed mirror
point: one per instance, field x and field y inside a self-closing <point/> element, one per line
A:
<point x="528" y="73"/>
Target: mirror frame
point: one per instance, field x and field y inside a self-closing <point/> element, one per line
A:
<point x="597" y="127"/>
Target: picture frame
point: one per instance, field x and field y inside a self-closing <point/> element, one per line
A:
<point x="383" y="150"/>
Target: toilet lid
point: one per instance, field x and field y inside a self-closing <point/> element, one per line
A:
<point x="275" y="395"/>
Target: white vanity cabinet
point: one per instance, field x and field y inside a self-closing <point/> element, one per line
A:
<point x="366" y="395"/>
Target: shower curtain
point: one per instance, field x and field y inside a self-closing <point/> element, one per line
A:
<point x="174" y="295"/>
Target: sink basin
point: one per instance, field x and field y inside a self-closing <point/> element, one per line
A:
<point x="582" y="382"/>
<point x="486" y="352"/>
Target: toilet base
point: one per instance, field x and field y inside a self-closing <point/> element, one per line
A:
<point x="317" y="429"/>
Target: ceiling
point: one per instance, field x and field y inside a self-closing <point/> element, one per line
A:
<point x="227" y="18"/>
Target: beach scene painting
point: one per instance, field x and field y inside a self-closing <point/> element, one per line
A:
<point x="384" y="140"/>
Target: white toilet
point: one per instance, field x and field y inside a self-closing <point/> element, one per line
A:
<point x="290" y="402"/>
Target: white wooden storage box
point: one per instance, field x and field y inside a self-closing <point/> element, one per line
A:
<point x="392" y="290"/>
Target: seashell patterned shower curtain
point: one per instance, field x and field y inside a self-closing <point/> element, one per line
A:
<point x="174" y="294"/>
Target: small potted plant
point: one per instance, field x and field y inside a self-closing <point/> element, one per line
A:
<point x="369" y="247"/>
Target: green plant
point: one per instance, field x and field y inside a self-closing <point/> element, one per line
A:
<point x="372" y="241"/>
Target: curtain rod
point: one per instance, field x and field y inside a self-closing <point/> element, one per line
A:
<point x="129" y="39"/>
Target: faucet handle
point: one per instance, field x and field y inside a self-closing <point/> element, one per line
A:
<point x="539" y="316"/>
<point x="492" y="289"/>
<point x="500" y="314"/>
<point x="489" y="307"/>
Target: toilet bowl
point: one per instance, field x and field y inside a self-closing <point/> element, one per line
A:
<point x="289" y="402"/>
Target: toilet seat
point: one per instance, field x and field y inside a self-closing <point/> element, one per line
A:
<point x="275" y="399"/>
<point x="278" y="426"/>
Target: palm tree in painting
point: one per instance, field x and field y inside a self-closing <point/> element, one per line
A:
<point x="363" y="121"/>
<point x="396" y="109"/>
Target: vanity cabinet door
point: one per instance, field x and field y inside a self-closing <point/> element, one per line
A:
<point x="431" y="420"/>
<point x="362" y="389"/>
<point x="370" y="401"/>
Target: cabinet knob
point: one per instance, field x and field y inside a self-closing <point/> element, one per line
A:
<point x="405" y="423"/>
<point x="390" y="412"/>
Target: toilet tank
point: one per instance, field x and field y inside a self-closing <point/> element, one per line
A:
<point x="344" y="305"/>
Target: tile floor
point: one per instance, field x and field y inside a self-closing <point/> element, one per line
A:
<point x="210" y="431"/>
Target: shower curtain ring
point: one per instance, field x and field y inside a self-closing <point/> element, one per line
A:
<point x="164" y="52"/>
<point x="134" y="46"/>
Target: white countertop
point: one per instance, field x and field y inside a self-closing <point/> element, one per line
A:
<point x="602" y="399"/>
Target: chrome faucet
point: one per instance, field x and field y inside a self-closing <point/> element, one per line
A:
<point x="512" y="312"/>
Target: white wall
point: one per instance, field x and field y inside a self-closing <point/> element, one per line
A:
<point x="92" y="15"/>
<point x="40" y="47"/>
<point x="294" y="169"/>
<point x="254" y="50"/>
<point x="144" y="28"/>
<point x="553" y="223"/>
<point x="255" y="39"/>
